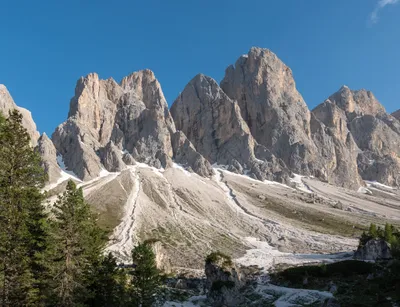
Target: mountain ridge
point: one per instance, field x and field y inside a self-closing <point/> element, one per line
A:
<point x="228" y="164"/>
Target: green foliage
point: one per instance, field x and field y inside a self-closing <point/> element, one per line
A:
<point x="47" y="261"/>
<point x="373" y="232"/>
<point x="77" y="244"/>
<point x="217" y="256"/>
<point x="146" y="278"/>
<point x="24" y="232"/>
<point x="359" y="283"/>
<point x="390" y="234"/>
<point x="108" y="283"/>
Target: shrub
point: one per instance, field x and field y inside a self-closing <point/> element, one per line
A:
<point x="215" y="256"/>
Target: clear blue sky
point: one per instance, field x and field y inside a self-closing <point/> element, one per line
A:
<point x="47" y="45"/>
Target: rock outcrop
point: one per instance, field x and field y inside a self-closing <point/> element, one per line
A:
<point x="273" y="109"/>
<point x="7" y="104"/>
<point x="111" y="125"/>
<point x="48" y="153"/>
<point x="186" y="154"/>
<point x="366" y="134"/>
<point x="376" y="249"/>
<point x="336" y="145"/>
<point x="224" y="281"/>
<point x="396" y="114"/>
<point x="214" y="124"/>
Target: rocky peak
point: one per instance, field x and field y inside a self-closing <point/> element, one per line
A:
<point x="396" y="114"/>
<point x="7" y="104"/>
<point x="360" y="102"/>
<point x="272" y="107"/>
<point x="214" y="124"/>
<point x="112" y="124"/>
<point x="365" y="131"/>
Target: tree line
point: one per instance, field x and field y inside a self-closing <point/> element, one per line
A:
<point x="53" y="255"/>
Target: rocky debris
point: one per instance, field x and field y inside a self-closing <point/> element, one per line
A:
<point x="375" y="249"/>
<point x="214" y="125"/>
<point x="186" y="154"/>
<point x="7" y="104"/>
<point x="273" y="109"/>
<point x="224" y="281"/>
<point x="396" y="114"/>
<point x="48" y="154"/>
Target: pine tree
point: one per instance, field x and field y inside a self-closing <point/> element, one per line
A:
<point x="373" y="231"/>
<point x="77" y="244"/>
<point x="108" y="285"/>
<point x="388" y="233"/>
<point x="146" y="277"/>
<point x="23" y="238"/>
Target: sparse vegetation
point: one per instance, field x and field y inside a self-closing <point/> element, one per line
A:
<point x="217" y="256"/>
<point x="389" y="233"/>
<point x="357" y="283"/>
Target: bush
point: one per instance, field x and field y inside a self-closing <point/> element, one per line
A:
<point x="215" y="256"/>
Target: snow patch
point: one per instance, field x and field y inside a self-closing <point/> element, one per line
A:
<point x="267" y="257"/>
<point x="64" y="175"/>
<point x="288" y="297"/>
<point x="378" y="185"/>
<point x="157" y="171"/>
<point x="179" y="166"/>
<point x="224" y="168"/>
<point x="61" y="164"/>
<point x="297" y="180"/>
<point x="364" y="190"/>
<point x="121" y="241"/>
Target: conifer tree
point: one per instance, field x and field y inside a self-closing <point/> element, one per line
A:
<point x="108" y="284"/>
<point x="146" y="278"/>
<point x="373" y="232"/>
<point x="23" y="237"/>
<point x="77" y="244"/>
<point x="388" y="233"/>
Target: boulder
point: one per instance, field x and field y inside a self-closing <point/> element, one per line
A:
<point x="376" y="249"/>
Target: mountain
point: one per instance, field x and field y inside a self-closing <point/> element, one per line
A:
<point x="243" y="166"/>
<point x="274" y="110"/>
<point x="214" y="124"/>
<point x="111" y="125"/>
<point x="371" y="133"/>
